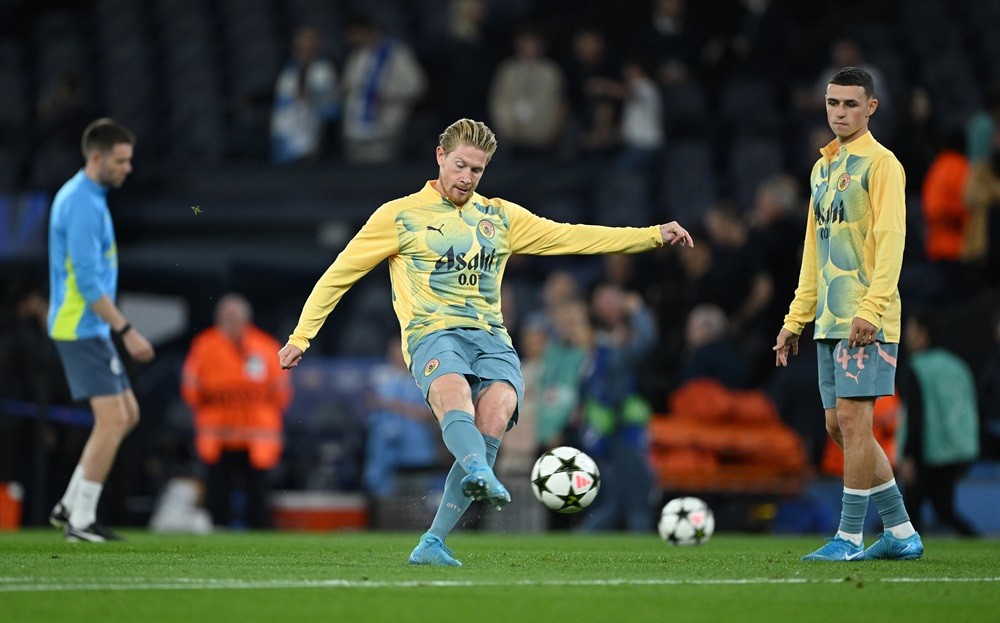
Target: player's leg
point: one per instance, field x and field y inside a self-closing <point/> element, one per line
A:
<point x="846" y="544"/>
<point x="114" y="416"/>
<point x="493" y="403"/>
<point x="444" y="379"/>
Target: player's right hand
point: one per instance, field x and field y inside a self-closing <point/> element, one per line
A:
<point x="289" y="356"/>
<point x="786" y="341"/>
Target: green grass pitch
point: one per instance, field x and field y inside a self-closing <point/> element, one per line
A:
<point x="347" y="577"/>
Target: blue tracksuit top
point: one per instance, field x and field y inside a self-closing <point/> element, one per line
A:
<point x="83" y="259"/>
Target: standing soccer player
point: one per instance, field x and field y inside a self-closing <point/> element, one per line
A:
<point x="848" y="285"/>
<point x="447" y="247"/>
<point x="83" y="277"/>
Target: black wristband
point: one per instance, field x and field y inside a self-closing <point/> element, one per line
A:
<point x="121" y="332"/>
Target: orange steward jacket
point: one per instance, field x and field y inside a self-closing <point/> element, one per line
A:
<point x="238" y="393"/>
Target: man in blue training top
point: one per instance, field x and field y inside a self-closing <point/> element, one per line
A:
<point x="83" y="277"/>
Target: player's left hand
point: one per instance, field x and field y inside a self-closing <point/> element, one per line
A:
<point x="863" y="333"/>
<point x="672" y="234"/>
<point x="289" y="356"/>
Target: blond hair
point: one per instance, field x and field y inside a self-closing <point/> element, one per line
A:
<point x="468" y="132"/>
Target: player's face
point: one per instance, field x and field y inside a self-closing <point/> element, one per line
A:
<point x="847" y="110"/>
<point x="114" y="165"/>
<point x="460" y="171"/>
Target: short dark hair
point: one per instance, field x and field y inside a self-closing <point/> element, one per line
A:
<point x="102" y="135"/>
<point x="855" y="77"/>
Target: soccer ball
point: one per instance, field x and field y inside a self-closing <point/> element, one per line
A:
<point x="686" y="521"/>
<point x="565" y="480"/>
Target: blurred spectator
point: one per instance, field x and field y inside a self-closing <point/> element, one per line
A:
<point x="305" y="100"/>
<point x="559" y="287"/>
<point x="237" y="391"/>
<point x="982" y="195"/>
<point x="466" y="51"/>
<point x="981" y="128"/>
<point x="946" y="222"/>
<point x="527" y="99"/>
<point x="615" y="414"/>
<point x="776" y="229"/>
<point x="989" y="396"/>
<point x="734" y="260"/>
<point x="402" y="433"/>
<point x="560" y="375"/>
<point x="674" y="40"/>
<point x="382" y="83"/>
<point x="946" y="218"/>
<point x="942" y="427"/>
<point x="595" y="123"/>
<point x="919" y="137"/>
<point x="642" y="126"/>
<point x="708" y="351"/>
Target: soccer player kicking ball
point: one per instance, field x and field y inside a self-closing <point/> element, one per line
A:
<point x="447" y="247"/>
<point x="848" y="285"/>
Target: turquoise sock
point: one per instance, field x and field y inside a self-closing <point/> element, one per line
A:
<point x="852" y="513"/>
<point x="453" y="501"/>
<point x="463" y="439"/>
<point x="889" y="503"/>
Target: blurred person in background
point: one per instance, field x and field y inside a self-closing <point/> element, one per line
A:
<point x="946" y="216"/>
<point x="560" y="378"/>
<point x="447" y="247"/>
<point x="400" y="435"/>
<point x="615" y="414"/>
<point x="982" y="198"/>
<point x="305" y="100"/>
<point x="942" y="423"/>
<point x="382" y="83"/>
<point x="848" y="286"/>
<point x="527" y="96"/>
<point x="83" y="285"/>
<point x="238" y="395"/>
<point x="708" y="352"/>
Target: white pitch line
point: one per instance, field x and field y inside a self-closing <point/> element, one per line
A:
<point x="28" y="585"/>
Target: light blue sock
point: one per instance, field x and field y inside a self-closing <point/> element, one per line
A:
<point x="889" y="502"/>
<point x="453" y="501"/>
<point x="463" y="439"/>
<point x="852" y="514"/>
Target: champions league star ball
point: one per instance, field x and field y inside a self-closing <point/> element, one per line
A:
<point x="565" y="480"/>
<point x="686" y="521"/>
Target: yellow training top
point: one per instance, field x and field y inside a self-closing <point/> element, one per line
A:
<point x="854" y="242"/>
<point x="446" y="262"/>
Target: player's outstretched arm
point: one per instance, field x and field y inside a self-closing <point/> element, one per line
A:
<point x="289" y="356"/>
<point x="672" y="234"/>
<point x="786" y="341"/>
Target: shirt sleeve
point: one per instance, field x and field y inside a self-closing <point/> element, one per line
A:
<point x="375" y="241"/>
<point x="803" y="308"/>
<point x="889" y="229"/>
<point x="83" y="241"/>
<point x="534" y="235"/>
